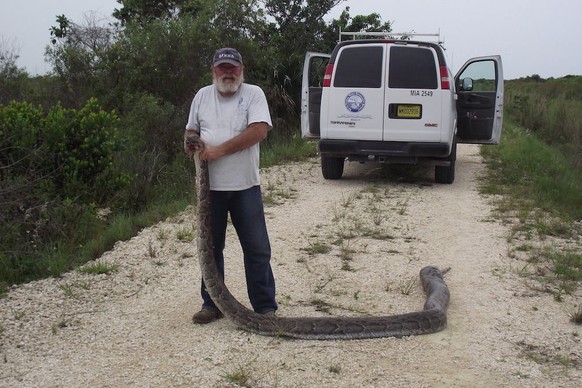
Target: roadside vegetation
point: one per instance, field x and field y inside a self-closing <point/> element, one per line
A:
<point x="536" y="177"/>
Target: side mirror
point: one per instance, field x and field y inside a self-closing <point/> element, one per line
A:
<point x="467" y="84"/>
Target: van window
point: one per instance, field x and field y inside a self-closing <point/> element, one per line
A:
<point x="412" y="68"/>
<point x="483" y="75"/>
<point x="359" y="67"/>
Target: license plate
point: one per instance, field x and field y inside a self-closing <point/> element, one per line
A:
<point x="408" y="111"/>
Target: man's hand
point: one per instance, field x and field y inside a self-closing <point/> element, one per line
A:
<point x="210" y="153"/>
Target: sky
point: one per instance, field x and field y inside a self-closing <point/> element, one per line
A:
<point x="532" y="36"/>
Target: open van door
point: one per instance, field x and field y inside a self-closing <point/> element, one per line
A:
<point x="479" y="87"/>
<point x="311" y="90"/>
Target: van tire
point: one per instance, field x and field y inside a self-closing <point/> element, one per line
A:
<point x="332" y="167"/>
<point x="446" y="174"/>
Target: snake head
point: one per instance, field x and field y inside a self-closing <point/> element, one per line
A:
<point x="194" y="142"/>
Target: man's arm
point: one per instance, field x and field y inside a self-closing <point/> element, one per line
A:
<point x="253" y="134"/>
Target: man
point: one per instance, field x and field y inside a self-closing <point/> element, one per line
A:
<point x="232" y="117"/>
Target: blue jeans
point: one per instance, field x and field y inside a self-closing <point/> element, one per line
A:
<point x="248" y="218"/>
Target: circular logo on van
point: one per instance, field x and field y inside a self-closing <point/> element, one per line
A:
<point x="355" y="102"/>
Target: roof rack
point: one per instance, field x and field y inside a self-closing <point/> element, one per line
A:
<point x="391" y="35"/>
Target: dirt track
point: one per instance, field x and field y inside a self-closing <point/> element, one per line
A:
<point x="132" y="328"/>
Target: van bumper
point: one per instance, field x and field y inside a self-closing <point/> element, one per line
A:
<point x="371" y="150"/>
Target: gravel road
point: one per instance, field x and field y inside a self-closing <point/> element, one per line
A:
<point x="347" y="247"/>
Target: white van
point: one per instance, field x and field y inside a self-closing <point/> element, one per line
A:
<point x="395" y="101"/>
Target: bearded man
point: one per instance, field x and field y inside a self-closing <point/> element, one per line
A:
<point x="232" y="118"/>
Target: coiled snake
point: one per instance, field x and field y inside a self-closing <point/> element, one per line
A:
<point x="431" y="319"/>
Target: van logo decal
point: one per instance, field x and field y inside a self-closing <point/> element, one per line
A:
<point x="355" y="102"/>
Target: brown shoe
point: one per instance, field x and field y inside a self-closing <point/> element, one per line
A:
<point x="205" y="316"/>
<point x="269" y="313"/>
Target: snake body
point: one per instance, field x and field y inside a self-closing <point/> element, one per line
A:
<point x="431" y="319"/>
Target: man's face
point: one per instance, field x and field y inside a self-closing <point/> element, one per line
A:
<point x="227" y="78"/>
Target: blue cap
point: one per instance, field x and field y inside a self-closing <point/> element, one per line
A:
<point x="227" y="55"/>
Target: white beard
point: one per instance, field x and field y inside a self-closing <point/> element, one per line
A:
<point x="227" y="87"/>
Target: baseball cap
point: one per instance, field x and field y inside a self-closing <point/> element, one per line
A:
<point x="227" y="55"/>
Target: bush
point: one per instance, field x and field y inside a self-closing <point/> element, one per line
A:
<point x="56" y="169"/>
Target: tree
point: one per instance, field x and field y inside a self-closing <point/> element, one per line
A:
<point x="8" y="58"/>
<point x="80" y="54"/>
<point x="145" y="11"/>
<point x="11" y="86"/>
<point x="359" y="23"/>
<point x="300" y="22"/>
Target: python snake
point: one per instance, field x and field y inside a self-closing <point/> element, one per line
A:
<point x="431" y="319"/>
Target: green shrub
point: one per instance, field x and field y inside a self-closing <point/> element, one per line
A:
<point x="55" y="170"/>
<point x="81" y="146"/>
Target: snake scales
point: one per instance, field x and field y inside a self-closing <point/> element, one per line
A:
<point x="431" y="319"/>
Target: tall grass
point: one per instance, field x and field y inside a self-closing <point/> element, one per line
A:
<point x="283" y="145"/>
<point x="536" y="173"/>
<point x="551" y="109"/>
<point x="540" y="156"/>
<point x="543" y="192"/>
<point x="537" y="169"/>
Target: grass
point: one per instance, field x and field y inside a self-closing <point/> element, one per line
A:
<point x="68" y="290"/>
<point x="535" y="177"/>
<point x="523" y="167"/>
<point x="185" y="235"/>
<point x="405" y="287"/>
<point x="317" y="248"/>
<point x="98" y="268"/>
<point x="280" y="148"/>
<point x="567" y="265"/>
<point x="274" y="193"/>
<point x="576" y="315"/>
<point x="550" y="109"/>
<point x="539" y="193"/>
<point x="239" y="376"/>
<point x="541" y="355"/>
<point x="3" y="289"/>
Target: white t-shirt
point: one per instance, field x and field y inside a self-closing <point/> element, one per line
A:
<point x="218" y="119"/>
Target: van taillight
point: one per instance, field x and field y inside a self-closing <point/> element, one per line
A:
<point x="445" y="80"/>
<point x="327" y="76"/>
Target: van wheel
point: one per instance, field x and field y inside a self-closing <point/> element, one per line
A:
<point x="332" y="167"/>
<point x="446" y="174"/>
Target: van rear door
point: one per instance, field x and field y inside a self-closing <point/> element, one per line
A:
<point x="479" y="86"/>
<point x="414" y="99"/>
<point x="311" y="88"/>
<point x="353" y="104"/>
